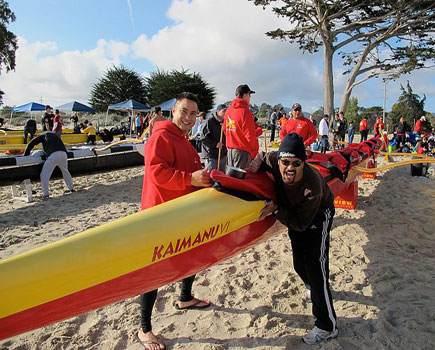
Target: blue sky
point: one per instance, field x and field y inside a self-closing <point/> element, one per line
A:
<point x="66" y="45"/>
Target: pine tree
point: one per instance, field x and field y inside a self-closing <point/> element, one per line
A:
<point x="162" y="86"/>
<point x="117" y="85"/>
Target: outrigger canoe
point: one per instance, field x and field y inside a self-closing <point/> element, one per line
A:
<point x="81" y="160"/>
<point x="66" y="138"/>
<point x="151" y="248"/>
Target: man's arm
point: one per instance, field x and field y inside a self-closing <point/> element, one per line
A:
<point x="35" y="141"/>
<point x="313" y="134"/>
<point x="284" y="131"/>
<point x="207" y="136"/>
<point x="249" y="132"/>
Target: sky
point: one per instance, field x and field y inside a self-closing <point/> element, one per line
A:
<point x="65" y="46"/>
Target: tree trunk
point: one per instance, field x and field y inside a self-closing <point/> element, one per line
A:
<point x="346" y="95"/>
<point x="349" y="85"/>
<point x="328" y="79"/>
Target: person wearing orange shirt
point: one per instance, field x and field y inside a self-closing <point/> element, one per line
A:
<point x="282" y="121"/>
<point x="300" y="125"/>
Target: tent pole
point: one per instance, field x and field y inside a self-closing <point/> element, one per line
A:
<point x="107" y="113"/>
<point x="12" y="112"/>
<point x="131" y="120"/>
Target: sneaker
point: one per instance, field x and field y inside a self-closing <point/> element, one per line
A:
<point x="44" y="198"/>
<point x="317" y="335"/>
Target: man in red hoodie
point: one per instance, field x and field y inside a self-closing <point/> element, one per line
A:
<point x="300" y="125"/>
<point x="240" y="130"/>
<point x="172" y="169"/>
<point x="419" y="126"/>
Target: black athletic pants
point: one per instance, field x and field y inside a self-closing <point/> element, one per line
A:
<point x="311" y="262"/>
<point x="147" y="301"/>
<point x="272" y="132"/>
<point x="364" y="134"/>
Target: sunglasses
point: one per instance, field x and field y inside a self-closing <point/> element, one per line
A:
<point x="297" y="109"/>
<point x="287" y="163"/>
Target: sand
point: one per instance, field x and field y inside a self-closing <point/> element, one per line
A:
<point x="382" y="274"/>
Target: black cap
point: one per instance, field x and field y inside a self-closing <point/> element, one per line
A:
<point x="243" y="89"/>
<point x="292" y="146"/>
<point x="296" y="105"/>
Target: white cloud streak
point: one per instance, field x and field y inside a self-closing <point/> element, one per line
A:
<point x="131" y="12"/>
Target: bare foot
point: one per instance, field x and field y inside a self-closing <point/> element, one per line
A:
<point x="149" y="341"/>
<point x="194" y="304"/>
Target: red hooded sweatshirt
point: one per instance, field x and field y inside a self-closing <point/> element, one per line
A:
<point x="363" y="125"/>
<point x="170" y="160"/>
<point x="303" y="127"/>
<point x="418" y="127"/>
<point x="239" y="127"/>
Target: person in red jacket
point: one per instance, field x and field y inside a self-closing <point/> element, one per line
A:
<point x="419" y="129"/>
<point x="172" y="169"/>
<point x="300" y="125"/>
<point x="363" y="129"/>
<point x="379" y="127"/>
<point x="240" y="130"/>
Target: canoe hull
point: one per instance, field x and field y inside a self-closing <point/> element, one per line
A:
<point x="124" y="258"/>
<point x="137" y="282"/>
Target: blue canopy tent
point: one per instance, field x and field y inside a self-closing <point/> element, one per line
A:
<point x="28" y="107"/>
<point x="130" y="105"/>
<point x="167" y="105"/>
<point x="75" y="106"/>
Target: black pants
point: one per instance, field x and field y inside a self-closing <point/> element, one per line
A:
<point x="272" y="132"/>
<point x="400" y="140"/>
<point x="364" y="134"/>
<point x="147" y="301"/>
<point x="311" y="262"/>
<point x="30" y="132"/>
<point x="138" y="130"/>
<point x="92" y="139"/>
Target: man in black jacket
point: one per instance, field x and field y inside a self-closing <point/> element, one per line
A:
<point x="401" y="129"/>
<point x="342" y="129"/>
<point x="47" y="119"/>
<point x="56" y="155"/>
<point x="211" y="140"/>
<point x="305" y="204"/>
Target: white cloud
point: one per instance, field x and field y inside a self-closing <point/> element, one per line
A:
<point x="225" y="41"/>
<point x="57" y="78"/>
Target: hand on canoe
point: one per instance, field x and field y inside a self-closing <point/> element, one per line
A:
<point x="267" y="210"/>
<point x="201" y="178"/>
<point x="256" y="163"/>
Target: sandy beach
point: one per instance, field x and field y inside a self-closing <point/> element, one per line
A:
<point x="381" y="260"/>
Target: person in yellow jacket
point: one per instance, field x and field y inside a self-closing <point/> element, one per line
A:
<point x="90" y="131"/>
